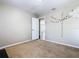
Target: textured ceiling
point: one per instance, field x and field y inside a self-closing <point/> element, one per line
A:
<point x="39" y="7"/>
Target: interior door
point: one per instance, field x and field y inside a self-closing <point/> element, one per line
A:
<point x="35" y="28"/>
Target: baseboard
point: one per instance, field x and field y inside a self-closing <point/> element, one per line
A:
<point x="31" y="40"/>
<point x="63" y="44"/>
<point x="14" y="44"/>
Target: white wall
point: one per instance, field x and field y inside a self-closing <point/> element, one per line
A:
<point x="70" y="29"/>
<point x="53" y="29"/>
<point x="15" y="25"/>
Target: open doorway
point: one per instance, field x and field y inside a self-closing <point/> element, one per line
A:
<point x="42" y="29"/>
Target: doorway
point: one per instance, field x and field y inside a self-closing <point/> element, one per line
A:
<point x="38" y="29"/>
<point x="42" y="29"/>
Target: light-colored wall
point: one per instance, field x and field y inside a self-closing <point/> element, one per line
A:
<point x="71" y="31"/>
<point x="15" y="25"/>
<point x="70" y="28"/>
<point x="53" y="30"/>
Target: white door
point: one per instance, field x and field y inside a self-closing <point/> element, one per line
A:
<point x="35" y="28"/>
<point x="42" y="29"/>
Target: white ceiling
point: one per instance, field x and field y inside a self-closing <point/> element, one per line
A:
<point x="38" y="7"/>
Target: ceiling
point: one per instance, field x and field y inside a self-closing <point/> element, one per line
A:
<point x="39" y="7"/>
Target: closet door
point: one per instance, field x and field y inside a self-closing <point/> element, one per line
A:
<point x="35" y="28"/>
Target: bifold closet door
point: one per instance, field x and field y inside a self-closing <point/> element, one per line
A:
<point x="35" y="28"/>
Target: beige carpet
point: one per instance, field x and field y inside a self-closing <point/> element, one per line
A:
<point x="41" y="49"/>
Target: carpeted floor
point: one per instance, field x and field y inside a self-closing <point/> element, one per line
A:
<point x="42" y="49"/>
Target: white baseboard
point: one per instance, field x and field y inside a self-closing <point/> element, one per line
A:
<point x="14" y="44"/>
<point x="31" y="40"/>
<point x="63" y="44"/>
